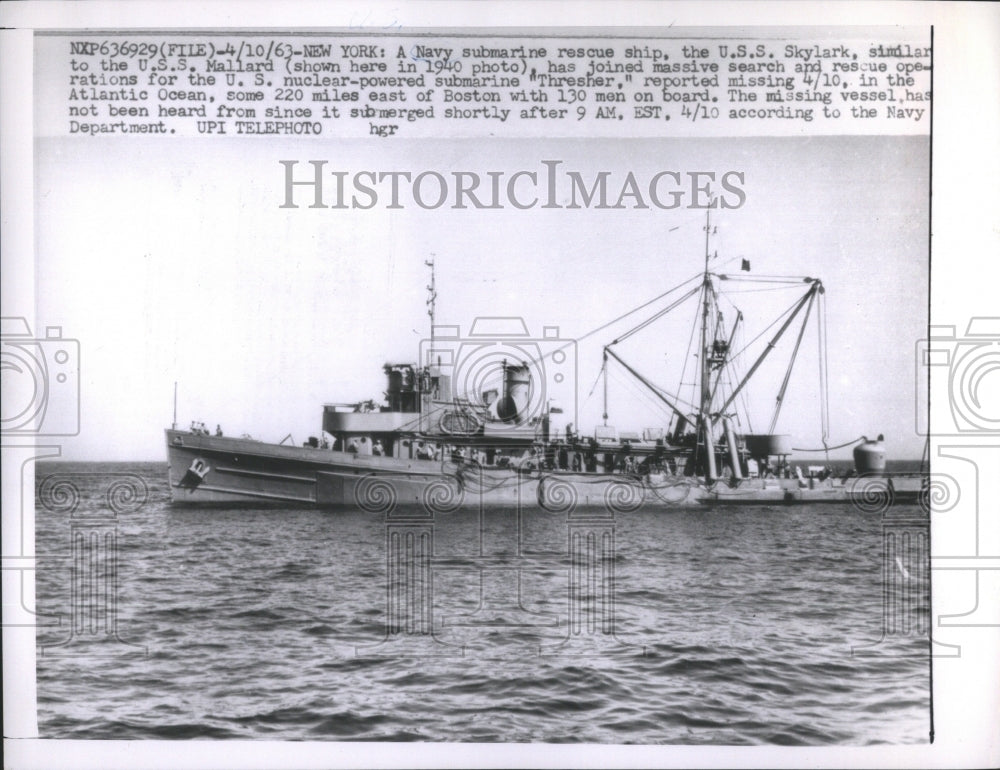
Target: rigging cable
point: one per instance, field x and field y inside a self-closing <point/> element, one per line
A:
<point x="604" y="326"/>
<point x="688" y="355"/>
<point x="826" y="448"/>
<point x="768" y="327"/>
<point x="785" y="287"/>
<point x="824" y="373"/>
<point x="488" y="382"/>
<point x="641" y="395"/>
<point x="652" y="386"/>
<point x="656" y="316"/>
<point x="597" y="380"/>
<point x="733" y="364"/>
<point x="791" y="365"/>
<point x="783" y="281"/>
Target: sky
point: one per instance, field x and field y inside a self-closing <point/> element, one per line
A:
<point x="174" y="261"/>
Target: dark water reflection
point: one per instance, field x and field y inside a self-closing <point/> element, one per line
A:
<point x="693" y="627"/>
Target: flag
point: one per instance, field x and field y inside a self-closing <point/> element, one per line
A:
<point x="745" y="265"/>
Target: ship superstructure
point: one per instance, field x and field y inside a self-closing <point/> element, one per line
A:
<point x="471" y="423"/>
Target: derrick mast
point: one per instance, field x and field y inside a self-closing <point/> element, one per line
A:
<point x="705" y="399"/>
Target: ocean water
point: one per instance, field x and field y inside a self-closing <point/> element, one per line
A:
<point x="788" y="626"/>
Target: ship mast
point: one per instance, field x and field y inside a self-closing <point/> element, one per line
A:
<point x="706" y="287"/>
<point x="431" y="297"/>
<point x="705" y="405"/>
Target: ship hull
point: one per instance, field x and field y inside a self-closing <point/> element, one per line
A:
<point x="213" y="470"/>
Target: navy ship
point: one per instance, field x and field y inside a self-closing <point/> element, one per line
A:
<point x="469" y="425"/>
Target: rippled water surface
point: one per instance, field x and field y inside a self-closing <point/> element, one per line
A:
<point x="754" y="626"/>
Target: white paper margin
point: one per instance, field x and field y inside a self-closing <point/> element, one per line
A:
<point x="966" y="231"/>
